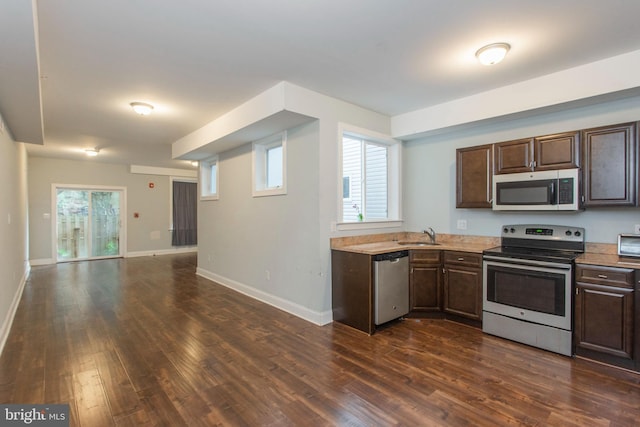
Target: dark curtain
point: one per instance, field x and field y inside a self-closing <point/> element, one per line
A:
<point x="185" y="214"/>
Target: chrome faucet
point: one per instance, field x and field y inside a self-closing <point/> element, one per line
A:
<point x="432" y="234"/>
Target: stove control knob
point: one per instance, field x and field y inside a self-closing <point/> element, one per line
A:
<point x="513" y="230"/>
<point x="505" y="230"/>
<point x="577" y="234"/>
<point x="568" y="232"/>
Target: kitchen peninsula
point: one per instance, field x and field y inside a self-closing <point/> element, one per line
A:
<point x="459" y="294"/>
<point x="607" y="318"/>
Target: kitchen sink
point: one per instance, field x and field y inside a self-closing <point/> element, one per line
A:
<point x="417" y="243"/>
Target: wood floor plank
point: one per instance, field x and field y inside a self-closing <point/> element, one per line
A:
<point x="122" y="398"/>
<point x="92" y="404"/>
<point x="144" y="341"/>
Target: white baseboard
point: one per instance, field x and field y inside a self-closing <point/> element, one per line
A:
<point x="42" y="261"/>
<point x="5" y="328"/>
<point x="316" y="317"/>
<point x="187" y="249"/>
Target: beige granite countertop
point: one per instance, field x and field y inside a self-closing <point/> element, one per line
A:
<point x="606" y="254"/>
<point x="608" y="260"/>
<point x="374" y="244"/>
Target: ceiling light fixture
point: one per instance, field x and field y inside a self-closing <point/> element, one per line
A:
<point x="493" y="53"/>
<point x="91" y="152"/>
<point x="142" y="108"/>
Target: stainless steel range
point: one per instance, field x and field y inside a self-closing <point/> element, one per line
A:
<point x="528" y="285"/>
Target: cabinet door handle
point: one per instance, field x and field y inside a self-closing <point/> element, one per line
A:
<point x="603" y="276"/>
<point x="461" y="259"/>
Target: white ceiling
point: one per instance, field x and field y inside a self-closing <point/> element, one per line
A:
<point x="197" y="59"/>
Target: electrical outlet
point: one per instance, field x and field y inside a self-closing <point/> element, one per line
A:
<point x="636" y="229"/>
<point x="267" y="274"/>
<point x="462" y="224"/>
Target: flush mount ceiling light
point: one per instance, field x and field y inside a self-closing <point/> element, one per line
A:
<point x="91" y="152"/>
<point x="142" y="108"/>
<point x="492" y="53"/>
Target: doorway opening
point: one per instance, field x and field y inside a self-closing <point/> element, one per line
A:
<point x="88" y="223"/>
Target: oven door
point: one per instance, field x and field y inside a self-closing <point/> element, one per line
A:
<point x="532" y="291"/>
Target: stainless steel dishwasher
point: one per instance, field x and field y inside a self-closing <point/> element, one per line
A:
<point x="391" y="283"/>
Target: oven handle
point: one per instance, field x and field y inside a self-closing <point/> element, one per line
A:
<point x="524" y="262"/>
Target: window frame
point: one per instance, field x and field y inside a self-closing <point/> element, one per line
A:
<point x="206" y="167"/>
<point x="394" y="181"/>
<point x="259" y="167"/>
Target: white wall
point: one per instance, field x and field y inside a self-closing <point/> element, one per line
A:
<point x="267" y="243"/>
<point x="429" y="175"/>
<point x="14" y="266"/>
<point x="147" y="234"/>
<point x="240" y="238"/>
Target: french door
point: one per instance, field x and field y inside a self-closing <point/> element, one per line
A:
<point x="88" y="223"/>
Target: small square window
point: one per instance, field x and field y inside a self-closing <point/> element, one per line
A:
<point x="269" y="165"/>
<point x="209" y="177"/>
<point x="274" y="167"/>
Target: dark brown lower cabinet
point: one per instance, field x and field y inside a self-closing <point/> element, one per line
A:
<point x="604" y="314"/>
<point x="463" y="284"/>
<point x="352" y="290"/>
<point x="425" y="281"/>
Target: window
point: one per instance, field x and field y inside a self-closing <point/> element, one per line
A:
<point x="269" y="165"/>
<point x="346" y="187"/>
<point x="209" y="179"/>
<point x="370" y="177"/>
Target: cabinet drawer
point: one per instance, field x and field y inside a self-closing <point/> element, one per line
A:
<point x="463" y="258"/>
<point x="418" y="256"/>
<point x="612" y="276"/>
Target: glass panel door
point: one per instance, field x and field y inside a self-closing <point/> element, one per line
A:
<point x="105" y="223"/>
<point x="88" y="223"/>
<point x="72" y="224"/>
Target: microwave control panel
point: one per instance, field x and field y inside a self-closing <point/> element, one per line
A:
<point x="565" y="191"/>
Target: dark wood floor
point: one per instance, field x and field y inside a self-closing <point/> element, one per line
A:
<point x="143" y="341"/>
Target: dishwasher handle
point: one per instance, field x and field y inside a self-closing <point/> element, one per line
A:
<point x="391" y="256"/>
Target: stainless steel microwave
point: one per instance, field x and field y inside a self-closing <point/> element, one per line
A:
<point x="555" y="190"/>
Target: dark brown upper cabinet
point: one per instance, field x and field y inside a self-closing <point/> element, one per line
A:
<point x="513" y="156"/>
<point x="610" y="165"/>
<point x="550" y="152"/>
<point x="560" y="151"/>
<point x="474" y="176"/>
